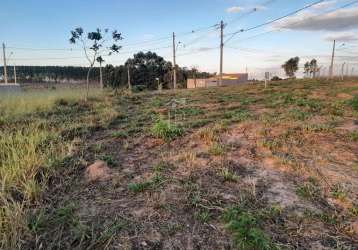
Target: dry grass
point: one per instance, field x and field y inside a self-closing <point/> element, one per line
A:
<point x="32" y="143"/>
<point x="245" y="157"/>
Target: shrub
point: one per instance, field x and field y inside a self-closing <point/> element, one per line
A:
<point x="166" y="131"/>
<point x="276" y="78"/>
<point x="245" y="229"/>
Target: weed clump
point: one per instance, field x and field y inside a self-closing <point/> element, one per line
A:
<point x="354" y="103"/>
<point x="156" y="181"/>
<point x="165" y="130"/>
<point x="245" y="229"/>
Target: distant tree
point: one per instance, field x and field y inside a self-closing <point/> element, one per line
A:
<point x="291" y="66"/>
<point x="147" y="67"/>
<point x="311" y="68"/>
<point x="94" y="46"/>
<point x="276" y="78"/>
<point x="307" y="68"/>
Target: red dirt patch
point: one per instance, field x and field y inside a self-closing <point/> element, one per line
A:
<point x="98" y="171"/>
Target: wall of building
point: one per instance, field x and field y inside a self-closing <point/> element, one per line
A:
<point x="228" y="80"/>
<point x="9" y="88"/>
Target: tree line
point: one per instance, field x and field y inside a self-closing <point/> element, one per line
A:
<point x="146" y="71"/>
<point x="40" y="74"/>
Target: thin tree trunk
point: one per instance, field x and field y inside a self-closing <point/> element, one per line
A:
<point x="87" y="90"/>
<point x="100" y="75"/>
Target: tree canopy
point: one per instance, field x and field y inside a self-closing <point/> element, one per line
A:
<point x="291" y="66"/>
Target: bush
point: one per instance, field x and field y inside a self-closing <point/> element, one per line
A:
<point x="276" y="78"/>
<point x="166" y="131"/>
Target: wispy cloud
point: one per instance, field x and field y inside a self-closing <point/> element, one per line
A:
<point x="235" y="9"/>
<point x="324" y="5"/>
<point x="342" y="36"/>
<point x="340" y="20"/>
<point x="238" y="9"/>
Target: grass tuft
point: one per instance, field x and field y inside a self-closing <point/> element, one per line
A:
<point x="165" y="130"/>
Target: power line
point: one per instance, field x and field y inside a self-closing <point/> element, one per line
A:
<point x="252" y="11"/>
<point x="80" y="57"/>
<point x="194" y="31"/>
<point x="280" y="30"/>
<point x="274" y="20"/>
<point x="199" y="51"/>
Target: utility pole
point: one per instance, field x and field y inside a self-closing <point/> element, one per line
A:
<point x="332" y="60"/>
<point x="100" y="75"/>
<point x="221" y="51"/>
<point x="129" y="78"/>
<point x="15" y="80"/>
<point x="343" y="71"/>
<point x="174" y="64"/>
<point x="352" y="72"/>
<point x="5" y="67"/>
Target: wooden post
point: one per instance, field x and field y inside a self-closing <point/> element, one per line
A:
<point x="221" y="52"/>
<point x="174" y="64"/>
<point x="5" y="67"/>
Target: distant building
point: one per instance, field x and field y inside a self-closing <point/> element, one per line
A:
<point x="228" y="80"/>
<point x="9" y="88"/>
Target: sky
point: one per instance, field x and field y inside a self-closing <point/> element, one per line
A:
<point x="37" y="32"/>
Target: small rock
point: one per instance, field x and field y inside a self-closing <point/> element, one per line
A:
<point x="98" y="171"/>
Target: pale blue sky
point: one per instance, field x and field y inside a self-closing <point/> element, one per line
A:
<point x="46" y="24"/>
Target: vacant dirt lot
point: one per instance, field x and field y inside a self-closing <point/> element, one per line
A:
<point x="221" y="168"/>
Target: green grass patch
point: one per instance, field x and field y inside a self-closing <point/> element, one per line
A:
<point x="217" y="149"/>
<point x="156" y="181"/>
<point x="109" y="159"/>
<point x="245" y="229"/>
<point x="353" y="136"/>
<point x="308" y="191"/>
<point x="228" y="175"/>
<point x="354" y="103"/>
<point x="120" y="134"/>
<point x="165" y="130"/>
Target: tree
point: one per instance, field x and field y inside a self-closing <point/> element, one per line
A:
<point x="276" y="78"/>
<point x="307" y="68"/>
<point x="311" y="68"/>
<point x="291" y="66"/>
<point x="97" y="41"/>
<point x="100" y="61"/>
<point x="147" y="67"/>
<point x="314" y="67"/>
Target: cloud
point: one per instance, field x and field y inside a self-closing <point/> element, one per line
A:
<point x="235" y="9"/>
<point x="345" y="19"/>
<point x="324" y="5"/>
<point x="342" y="37"/>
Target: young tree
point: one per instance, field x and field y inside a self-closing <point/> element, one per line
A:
<point x="311" y="68"/>
<point x="291" y="66"/>
<point x="94" y="46"/>
<point x="100" y="61"/>
<point x="307" y="68"/>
